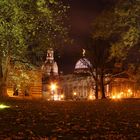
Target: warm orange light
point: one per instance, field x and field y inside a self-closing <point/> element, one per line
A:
<point x="74" y="93"/>
<point x="56" y="97"/>
<point x="118" y="96"/>
<point x="53" y="86"/>
<point x="129" y="90"/>
<point x="114" y="97"/>
<point x="62" y="96"/>
<point x="91" y="97"/>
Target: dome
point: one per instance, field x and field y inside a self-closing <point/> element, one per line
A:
<point x="83" y="63"/>
<point x="82" y="66"/>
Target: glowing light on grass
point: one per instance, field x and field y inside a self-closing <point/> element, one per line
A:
<point x="2" y="106"/>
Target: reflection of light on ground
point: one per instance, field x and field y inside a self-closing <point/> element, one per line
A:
<point x="2" y="106"/>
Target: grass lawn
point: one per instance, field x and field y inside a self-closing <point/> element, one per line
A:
<point x="70" y="120"/>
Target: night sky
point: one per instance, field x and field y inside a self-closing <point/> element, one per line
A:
<point x="81" y="14"/>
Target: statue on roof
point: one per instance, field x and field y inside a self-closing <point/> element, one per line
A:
<point x="84" y="52"/>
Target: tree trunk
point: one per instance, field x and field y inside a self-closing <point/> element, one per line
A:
<point x="102" y="86"/>
<point x="96" y="90"/>
<point x="3" y="89"/>
<point x="3" y="79"/>
<point x="96" y="83"/>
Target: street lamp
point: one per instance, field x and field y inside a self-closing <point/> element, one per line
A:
<point x="62" y="97"/>
<point x="53" y="86"/>
<point x="74" y="93"/>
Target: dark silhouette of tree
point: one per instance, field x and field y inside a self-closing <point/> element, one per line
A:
<point x="97" y="51"/>
<point x="114" y="32"/>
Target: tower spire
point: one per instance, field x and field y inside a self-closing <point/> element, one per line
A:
<point x="50" y="55"/>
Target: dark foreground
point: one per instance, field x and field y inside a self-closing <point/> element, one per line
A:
<point x="95" y="120"/>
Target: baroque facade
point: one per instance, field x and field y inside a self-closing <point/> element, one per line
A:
<point x="47" y="83"/>
<point x="78" y="85"/>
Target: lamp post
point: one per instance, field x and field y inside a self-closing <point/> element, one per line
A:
<point x="74" y="95"/>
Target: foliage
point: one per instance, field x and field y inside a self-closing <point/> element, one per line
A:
<point x="23" y="76"/>
<point x="50" y="28"/>
<point x="28" y="27"/>
<point x="121" y="25"/>
<point x="29" y="22"/>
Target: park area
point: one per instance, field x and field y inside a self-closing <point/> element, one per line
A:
<point x="70" y="120"/>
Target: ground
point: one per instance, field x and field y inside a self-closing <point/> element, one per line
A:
<point x="70" y="120"/>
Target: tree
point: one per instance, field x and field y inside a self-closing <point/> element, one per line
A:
<point x="97" y="51"/>
<point x="119" y="26"/>
<point x="51" y="30"/>
<point x="133" y="67"/>
<point x="21" y="23"/>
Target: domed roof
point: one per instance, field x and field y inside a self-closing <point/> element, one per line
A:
<point x="83" y="63"/>
<point x="82" y="66"/>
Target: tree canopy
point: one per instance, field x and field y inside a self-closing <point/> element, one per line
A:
<point x="27" y="28"/>
<point x="114" y="33"/>
<point x="27" y="23"/>
<point x="121" y="25"/>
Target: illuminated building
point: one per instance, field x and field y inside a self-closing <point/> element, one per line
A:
<point x="123" y="86"/>
<point x="79" y="85"/>
<point x="50" y="66"/>
<point x="50" y="78"/>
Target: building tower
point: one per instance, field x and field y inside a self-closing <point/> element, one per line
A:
<point x="50" y="67"/>
<point x="49" y="73"/>
<point x="50" y="55"/>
